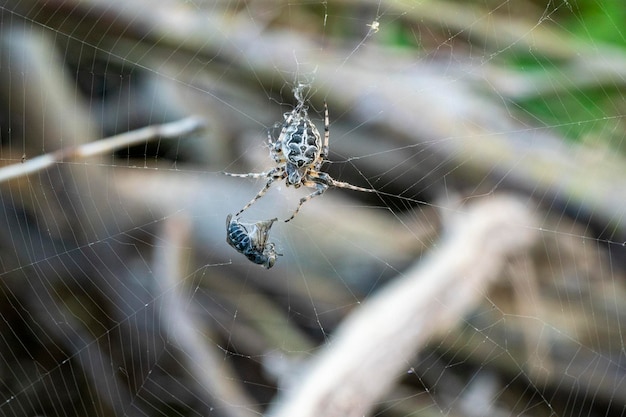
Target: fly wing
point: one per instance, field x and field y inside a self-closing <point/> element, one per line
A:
<point x="261" y="233"/>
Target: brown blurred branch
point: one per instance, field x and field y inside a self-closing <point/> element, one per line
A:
<point x="216" y="380"/>
<point x="171" y="130"/>
<point x="375" y="344"/>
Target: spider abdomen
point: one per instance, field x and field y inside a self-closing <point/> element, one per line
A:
<point x="302" y="143"/>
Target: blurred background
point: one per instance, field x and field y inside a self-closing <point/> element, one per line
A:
<point x="119" y="295"/>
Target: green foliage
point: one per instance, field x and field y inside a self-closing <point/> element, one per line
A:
<point x="599" y="21"/>
<point x="576" y="113"/>
<point x="580" y="107"/>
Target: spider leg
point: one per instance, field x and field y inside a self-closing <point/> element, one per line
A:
<point x="273" y="175"/>
<point x="325" y="144"/>
<point x="324" y="178"/>
<point x="322" y="181"/>
<point x="249" y="175"/>
<point x="327" y="179"/>
<point x="320" y="188"/>
<point x="340" y="184"/>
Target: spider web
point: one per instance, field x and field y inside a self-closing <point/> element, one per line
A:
<point x="485" y="276"/>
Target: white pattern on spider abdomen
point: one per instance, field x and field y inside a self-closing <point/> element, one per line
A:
<point x="301" y="147"/>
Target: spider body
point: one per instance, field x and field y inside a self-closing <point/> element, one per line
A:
<point x="299" y="152"/>
<point x="252" y="244"/>
<point x="298" y="147"/>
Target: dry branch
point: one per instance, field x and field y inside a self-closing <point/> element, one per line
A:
<point x="374" y="345"/>
<point x="213" y="376"/>
<point x="171" y="130"/>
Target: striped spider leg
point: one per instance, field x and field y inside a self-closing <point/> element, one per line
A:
<point x="321" y="181"/>
<point x="271" y="175"/>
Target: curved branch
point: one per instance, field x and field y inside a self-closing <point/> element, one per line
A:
<point x="171" y="130"/>
<point x="375" y="345"/>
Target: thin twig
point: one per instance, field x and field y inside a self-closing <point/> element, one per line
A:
<point x="171" y="130"/>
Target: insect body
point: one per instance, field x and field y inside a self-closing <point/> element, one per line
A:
<point x="299" y="153"/>
<point x="252" y="244"/>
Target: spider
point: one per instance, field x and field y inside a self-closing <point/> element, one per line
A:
<point x="299" y="153"/>
<point x="252" y="244"/>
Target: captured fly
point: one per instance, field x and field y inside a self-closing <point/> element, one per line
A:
<point x="251" y="240"/>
